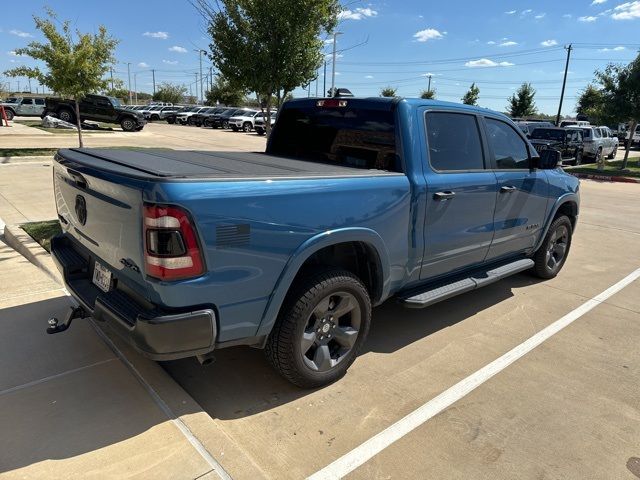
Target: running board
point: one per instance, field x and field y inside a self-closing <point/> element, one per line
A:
<point x="477" y="280"/>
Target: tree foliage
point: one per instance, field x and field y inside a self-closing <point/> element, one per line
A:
<point x="268" y="46"/>
<point x="428" y="94"/>
<point x="388" y="92"/>
<point x="471" y="97"/>
<point x="521" y="103"/>
<point x="76" y="63"/>
<point x="170" y="92"/>
<point x="621" y="95"/>
<point x="225" y="93"/>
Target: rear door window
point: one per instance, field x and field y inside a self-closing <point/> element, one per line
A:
<point x="454" y="142"/>
<point x="345" y="135"/>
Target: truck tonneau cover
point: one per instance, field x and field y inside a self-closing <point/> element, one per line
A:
<point x="184" y="164"/>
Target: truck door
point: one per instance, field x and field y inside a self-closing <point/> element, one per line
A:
<point x="461" y="193"/>
<point x="522" y="197"/>
<point x="26" y="107"/>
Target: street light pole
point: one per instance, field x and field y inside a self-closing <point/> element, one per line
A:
<point x="564" y="82"/>
<point x="333" y="70"/>
<point x="153" y="74"/>
<point x="135" y="86"/>
<point x="129" y="75"/>
<point x="429" y="87"/>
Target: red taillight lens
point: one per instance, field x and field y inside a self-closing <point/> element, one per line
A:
<point x="171" y="250"/>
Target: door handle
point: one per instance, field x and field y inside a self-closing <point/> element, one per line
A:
<point x="444" y="195"/>
<point x="507" y="189"/>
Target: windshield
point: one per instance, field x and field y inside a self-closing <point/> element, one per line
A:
<point x="548" y="134"/>
<point x="347" y="136"/>
<point x="115" y="102"/>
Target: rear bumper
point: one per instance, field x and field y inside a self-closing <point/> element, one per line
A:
<point x="157" y="333"/>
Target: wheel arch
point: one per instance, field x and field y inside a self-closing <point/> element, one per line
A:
<point x="569" y="205"/>
<point x="371" y="246"/>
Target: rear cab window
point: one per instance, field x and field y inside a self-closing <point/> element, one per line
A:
<point x="337" y="132"/>
<point x="453" y="140"/>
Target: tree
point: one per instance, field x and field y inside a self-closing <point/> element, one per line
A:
<point x="471" y="97"/>
<point x="388" y="92"/>
<point x="75" y="67"/>
<point x="225" y="93"/>
<point x="428" y="94"/>
<point x="268" y="46"/>
<point x="521" y="103"/>
<point x="170" y="93"/>
<point x="621" y="93"/>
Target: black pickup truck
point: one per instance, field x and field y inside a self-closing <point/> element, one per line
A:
<point x="98" y="108"/>
<point x="567" y="141"/>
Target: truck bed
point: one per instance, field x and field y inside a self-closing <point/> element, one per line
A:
<point x="181" y="164"/>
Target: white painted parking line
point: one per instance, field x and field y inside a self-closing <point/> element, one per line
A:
<point x="395" y="432"/>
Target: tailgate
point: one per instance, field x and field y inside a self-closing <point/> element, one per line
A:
<point x="102" y="215"/>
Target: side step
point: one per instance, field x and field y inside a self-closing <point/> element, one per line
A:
<point x="477" y="280"/>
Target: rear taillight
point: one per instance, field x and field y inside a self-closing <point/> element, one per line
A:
<point x="331" y="103"/>
<point x="171" y="250"/>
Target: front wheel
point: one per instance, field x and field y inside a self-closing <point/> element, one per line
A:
<point x="552" y="254"/>
<point x="171" y="120"/>
<point x="578" y="160"/>
<point x="320" y="329"/>
<point x="66" y="116"/>
<point x="613" y="153"/>
<point x="246" y="127"/>
<point x="128" y="125"/>
<point x="225" y="124"/>
<point x="9" y="114"/>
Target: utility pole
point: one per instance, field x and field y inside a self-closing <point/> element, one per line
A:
<point x="135" y="86"/>
<point x="564" y="82"/>
<point x="197" y="87"/>
<point x="324" y="79"/>
<point x="153" y="74"/>
<point x="210" y="78"/>
<point x="111" y="77"/>
<point x="333" y="71"/>
<point x="201" y="89"/>
<point x="129" y="75"/>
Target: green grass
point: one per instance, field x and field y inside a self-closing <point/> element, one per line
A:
<point x="42" y="232"/>
<point x="611" y="169"/>
<point x="27" y="152"/>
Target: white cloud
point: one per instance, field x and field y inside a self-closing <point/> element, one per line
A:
<point x="587" y="19"/>
<point x="485" y="62"/>
<point x="549" y="43"/>
<point x="614" y="49"/>
<point x="160" y="35"/>
<point x="170" y="62"/>
<point x="329" y="41"/>
<point x="491" y="42"/>
<point x="143" y="65"/>
<point x="428" y="34"/>
<point x="357" y="14"/>
<point x="368" y="76"/>
<point x="567" y="15"/>
<point x="510" y="12"/>
<point x="627" y="11"/>
<point x="178" y="49"/>
<point x="540" y="15"/>
<point x="598" y="2"/>
<point x="526" y="12"/>
<point x="508" y="43"/>
<point x="13" y="54"/>
<point x="20" y="33"/>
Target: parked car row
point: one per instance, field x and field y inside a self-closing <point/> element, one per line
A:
<point x="575" y="143"/>
<point x="236" y="118"/>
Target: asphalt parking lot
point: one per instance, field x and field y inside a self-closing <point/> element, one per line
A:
<point x="569" y="408"/>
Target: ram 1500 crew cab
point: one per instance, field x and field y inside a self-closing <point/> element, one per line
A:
<point x="354" y="202"/>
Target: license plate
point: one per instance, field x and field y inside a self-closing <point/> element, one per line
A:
<point x="101" y="277"/>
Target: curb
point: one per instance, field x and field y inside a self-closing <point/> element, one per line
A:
<point x="604" y="178"/>
<point x="26" y="246"/>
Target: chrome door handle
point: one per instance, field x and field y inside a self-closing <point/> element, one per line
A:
<point x="444" y="195"/>
<point x="508" y="189"/>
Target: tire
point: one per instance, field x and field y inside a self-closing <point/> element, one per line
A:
<point x="128" y="124"/>
<point x="260" y="131"/>
<point x="578" y="160"/>
<point x="171" y="121"/>
<point x="310" y="345"/>
<point x="9" y="114"/>
<point x="550" y="257"/>
<point x="613" y="153"/>
<point x="206" y="124"/>
<point x="154" y="118"/>
<point x="234" y="128"/>
<point x="225" y="124"/>
<point x="190" y="121"/>
<point x="246" y="127"/>
<point x="67" y="116"/>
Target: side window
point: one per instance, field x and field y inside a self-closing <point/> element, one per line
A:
<point x="27" y="101"/>
<point x="454" y="141"/>
<point x="509" y="150"/>
<point x="596" y="133"/>
<point x="39" y="101"/>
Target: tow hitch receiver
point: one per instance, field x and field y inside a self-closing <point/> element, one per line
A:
<point x="74" y="312"/>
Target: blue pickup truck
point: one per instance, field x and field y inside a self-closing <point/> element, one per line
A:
<point x="354" y="202"/>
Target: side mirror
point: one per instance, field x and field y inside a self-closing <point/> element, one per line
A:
<point x="548" y="159"/>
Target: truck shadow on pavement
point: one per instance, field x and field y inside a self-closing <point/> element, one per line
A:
<point x="241" y="383"/>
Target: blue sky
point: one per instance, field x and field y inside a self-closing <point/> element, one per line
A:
<point x="498" y="44"/>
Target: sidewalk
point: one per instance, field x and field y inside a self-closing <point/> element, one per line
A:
<point x="69" y="407"/>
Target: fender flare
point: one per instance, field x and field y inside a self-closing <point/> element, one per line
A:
<point x="566" y="198"/>
<point x="308" y="248"/>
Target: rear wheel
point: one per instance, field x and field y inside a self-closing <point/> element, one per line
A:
<point x="190" y="121"/>
<point x="128" y="125"/>
<point x="246" y="127"/>
<point x="320" y="329"/>
<point x="552" y="254"/>
<point x="171" y="120"/>
<point x="225" y="124"/>
<point x="154" y="118"/>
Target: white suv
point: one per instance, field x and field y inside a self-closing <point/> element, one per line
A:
<point x="599" y="141"/>
<point x="244" y="121"/>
